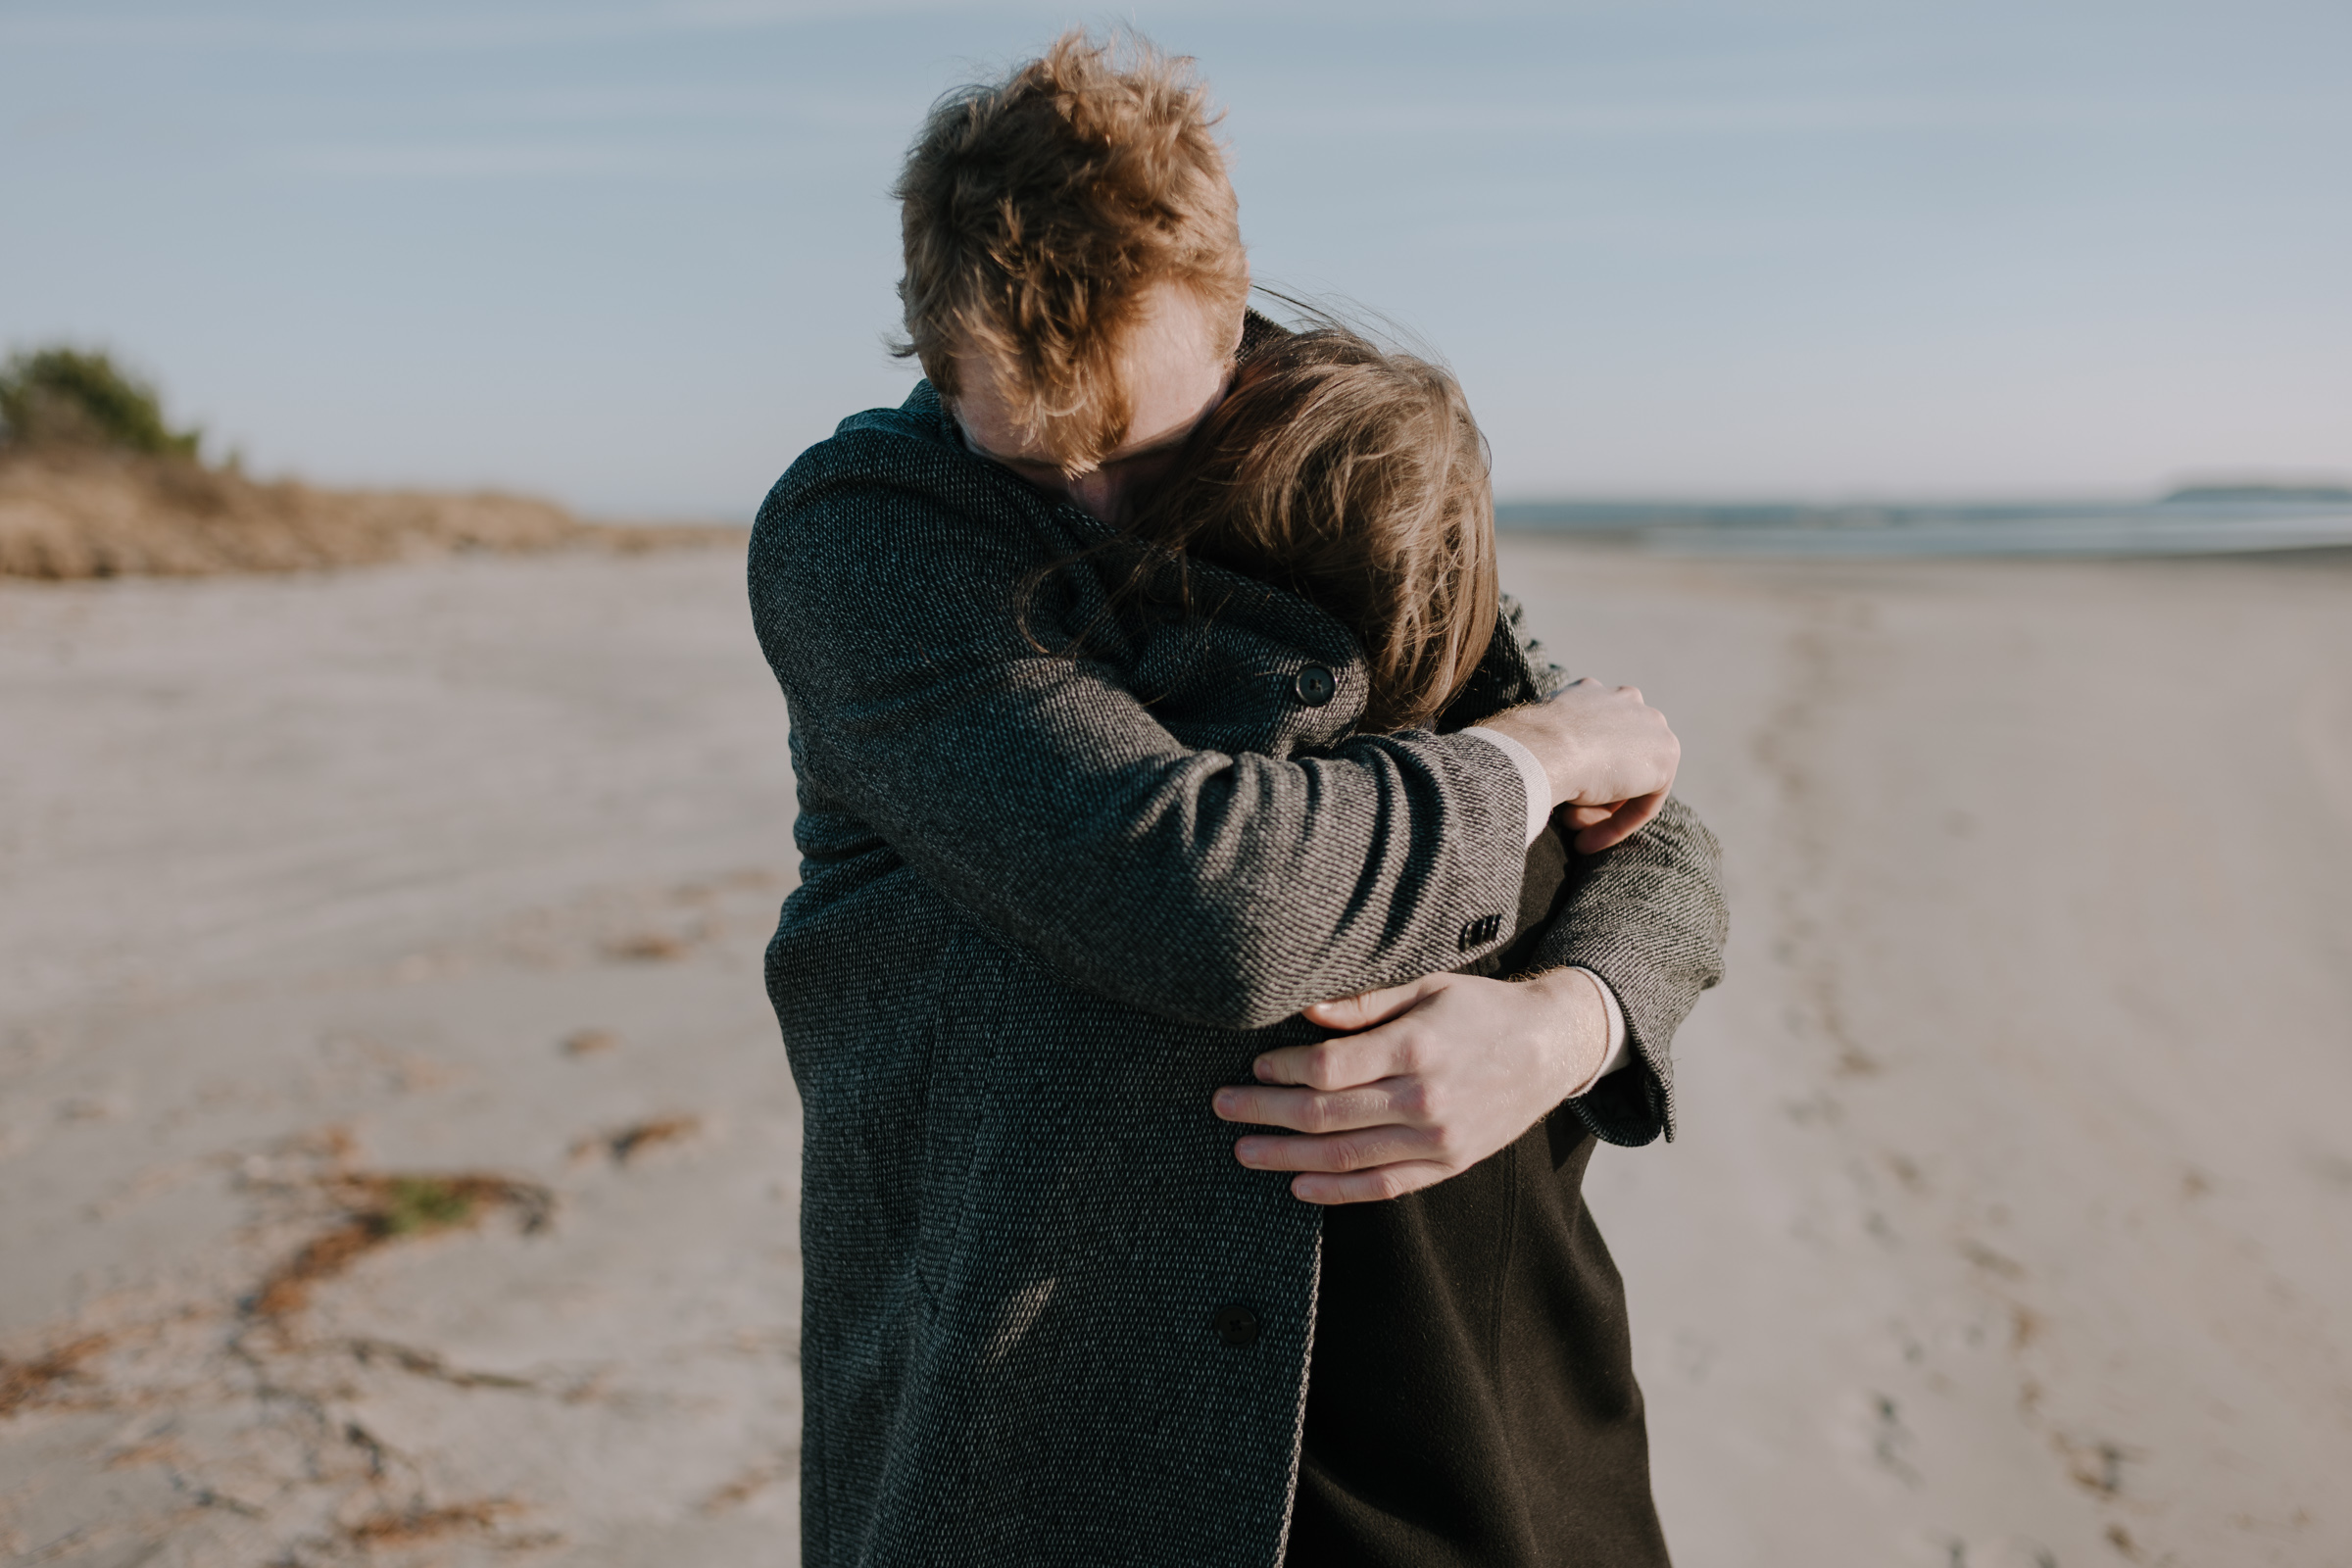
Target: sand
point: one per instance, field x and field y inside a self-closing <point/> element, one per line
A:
<point x="397" y="1160"/>
<point x="455" y="869"/>
<point x="2012" y="1218"/>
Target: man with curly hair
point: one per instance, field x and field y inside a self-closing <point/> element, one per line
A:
<point x="1088" y="880"/>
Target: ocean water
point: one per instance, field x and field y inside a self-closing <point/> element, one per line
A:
<point x="2208" y="525"/>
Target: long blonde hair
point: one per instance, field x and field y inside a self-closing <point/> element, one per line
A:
<point x="1356" y="479"/>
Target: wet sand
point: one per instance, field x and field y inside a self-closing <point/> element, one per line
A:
<point x="397" y="1160"/>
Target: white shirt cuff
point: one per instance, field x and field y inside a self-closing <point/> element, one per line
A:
<point x="1620" y="1053"/>
<point x="1531" y="779"/>
<point x="1537" y="786"/>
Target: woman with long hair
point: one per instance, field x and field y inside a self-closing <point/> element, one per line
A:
<point x="1470" y="1394"/>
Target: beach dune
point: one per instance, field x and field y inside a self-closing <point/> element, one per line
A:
<point x="398" y="1162"/>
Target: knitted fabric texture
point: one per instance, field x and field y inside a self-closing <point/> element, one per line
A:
<point x="1050" y="899"/>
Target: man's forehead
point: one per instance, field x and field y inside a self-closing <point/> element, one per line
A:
<point x="1172" y="368"/>
<point x="993" y="430"/>
<point x="1020" y="447"/>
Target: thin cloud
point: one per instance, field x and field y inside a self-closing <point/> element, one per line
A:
<point x="293" y="30"/>
<point x="470" y="161"/>
<point x="1890" y="112"/>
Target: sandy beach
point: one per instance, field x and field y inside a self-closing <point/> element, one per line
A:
<point x="398" y="1162"/>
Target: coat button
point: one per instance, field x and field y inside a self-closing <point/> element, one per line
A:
<point x="1235" y="1323"/>
<point x="1316" y="686"/>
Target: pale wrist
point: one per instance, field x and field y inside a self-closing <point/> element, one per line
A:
<point x="1580" y="1036"/>
<point x="1542" y="744"/>
<point x="1534" y="782"/>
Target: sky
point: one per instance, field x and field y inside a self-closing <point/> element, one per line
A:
<point x="637" y="254"/>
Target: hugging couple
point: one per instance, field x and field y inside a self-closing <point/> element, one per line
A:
<point x="1222" y="935"/>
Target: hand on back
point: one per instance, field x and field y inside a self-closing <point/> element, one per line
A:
<point x="1611" y="756"/>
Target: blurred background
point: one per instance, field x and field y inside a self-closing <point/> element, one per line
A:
<point x="398" y="1163"/>
<point x="636" y="256"/>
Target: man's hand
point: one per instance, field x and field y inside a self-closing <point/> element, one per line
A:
<point x="1445" y="1072"/>
<point x="1609" y="755"/>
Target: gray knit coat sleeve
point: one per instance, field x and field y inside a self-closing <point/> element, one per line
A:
<point x="1225" y="887"/>
<point x="1648" y="918"/>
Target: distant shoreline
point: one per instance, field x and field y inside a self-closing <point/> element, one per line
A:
<point x="2197" y="523"/>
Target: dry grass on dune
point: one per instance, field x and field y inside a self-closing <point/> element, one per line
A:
<point x="74" y="514"/>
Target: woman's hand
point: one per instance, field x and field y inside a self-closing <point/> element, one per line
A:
<point x="1443" y="1073"/>
<point x="1609" y="755"/>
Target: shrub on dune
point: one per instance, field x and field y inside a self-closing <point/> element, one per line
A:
<point x="62" y="397"/>
<point x="95" y="482"/>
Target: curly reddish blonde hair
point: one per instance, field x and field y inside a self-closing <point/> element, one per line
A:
<point x="1037" y="211"/>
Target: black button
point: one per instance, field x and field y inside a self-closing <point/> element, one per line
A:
<point x="1316" y="686"/>
<point x="1235" y="1323"/>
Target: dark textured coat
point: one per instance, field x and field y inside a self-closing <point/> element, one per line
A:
<point x="1049" y="904"/>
